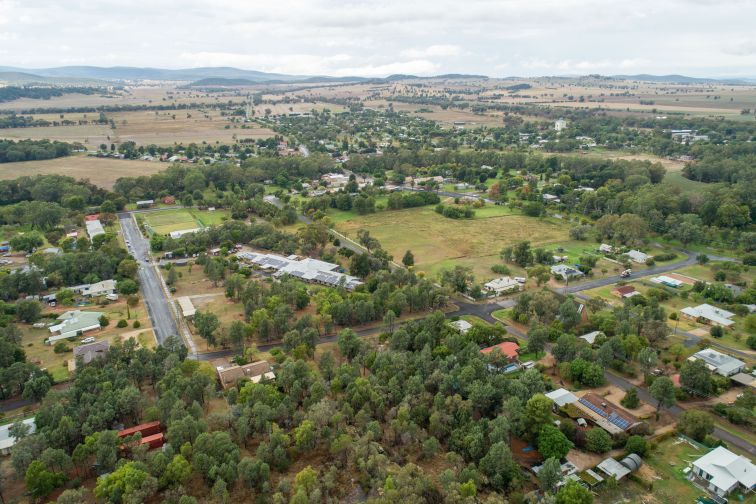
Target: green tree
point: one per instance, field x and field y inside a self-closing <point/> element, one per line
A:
<point x="206" y="323"/>
<point x="695" y="424"/>
<point x="637" y="445"/>
<point x="40" y="481"/>
<point x="177" y="472"/>
<point x="499" y="466"/>
<point x="695" y="377"/>
<point x="538" y="413"/>
<point x="663" y="390"/>
<point x="598" y="440"/>
<point x="574" y="493"/>
<point x="27" y="241"/>
<point x="631" y="399"/>
<point x="408" y="259"/>
<point x="550" y="475"/>
<point x="28" y="311"/>
<point x="538" y="336"/>
<point x="552" y="443"/>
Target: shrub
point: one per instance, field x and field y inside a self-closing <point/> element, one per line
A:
<point x="61" y="347"/>
<point x="104" y="321"/>
<point x="637" y="445"/>
<point x="598" y="440"/>
<point x="716" y="331"/>
<point x="137" y="324"/>
<point x="122" y="323"/>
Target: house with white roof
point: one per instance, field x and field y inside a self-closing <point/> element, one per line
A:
<point x="74" y="323"/>
<point x="461" y="325"/>
<point x="721" y="472"/>
<point x="307" y="269"/>
<point x="562" y="397"/>
<point x="709" y="314"/>
<point x="637" y="256"/>
<point x="719" y="363"/>
<point x="591" y="337"/>
<point x="566" y="272"/>
<point x="7" y="441"/>
<point x="181" y="232"/>
<point x="94" y="228"/>
<point x="499" y="286"/>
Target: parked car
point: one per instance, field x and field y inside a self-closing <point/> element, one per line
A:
<point x="90" y="339"/>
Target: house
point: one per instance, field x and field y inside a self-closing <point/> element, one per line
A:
<point x="709" y="315"/>
<point x="461" y="325"/>
<point x="187" y="307"/>
<point x="508" y="349"/>
<point x="606" y="249"/>
<point x="611" y="418"/>
<point x="230" y="374"/>
<point x="7" y="441"/>
<point x="618" y="470"/>
<point x="98" y="289"/>
<point x="499" y="286"/>
<point x="151" y="433"/>
<point x="560" y="124"/>
<point x="637" y="256"/>
<point x="624" y="291"/>
<point x="550" y="198"/>
<point x="562" y="397"/>
<point x="721" y="472"/>
<point x="94" y="228"/>
<point x="74" y="323"/>
<point x="565" y="272"/>
<point x="88" y="353"/>
<point x="591" y="337"/>
<point x="719" y="363"/>
<point x="307" y="269"/>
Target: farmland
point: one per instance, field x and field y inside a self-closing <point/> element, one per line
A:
<point x="439" y="243"/>
<point x="102" y="172"/>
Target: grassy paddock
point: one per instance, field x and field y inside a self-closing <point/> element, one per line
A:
<point x="438" y="242"/>
<point x="171" y="220"/>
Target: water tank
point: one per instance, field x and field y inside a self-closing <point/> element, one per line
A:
<point x="632" y="462"/>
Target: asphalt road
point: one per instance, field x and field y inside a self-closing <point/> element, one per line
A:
<point x="155" y="298"/>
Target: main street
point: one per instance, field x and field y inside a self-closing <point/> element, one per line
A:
<point x="155" y="298"/>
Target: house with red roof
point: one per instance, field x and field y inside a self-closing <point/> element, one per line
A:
<point x="508" y="349"/>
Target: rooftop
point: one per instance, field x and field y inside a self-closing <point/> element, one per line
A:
<point x="717" y="361"/>
<point x="562" y="397"/>
<point x="507" y="348"/>
<point x="709" y="312"/>
<point x="727" y="469"/>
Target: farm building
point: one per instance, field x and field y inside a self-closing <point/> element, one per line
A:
<point x="96" y="289"/>
<point x="624" y="291"/>
<point x="721" y="472"/>
<point x="502" y="285"/>
<point x="508" y="349"/>
<point x="562" y="397"/>
<point x="565" y="272"/>
<point x="709" y="314"/>
<point x="719" y="363"/>
<point x="637" y="256"/>
<point x="145" y="203"/>
<point x="461" y="325"/>
<point x="606" y="415"/>
<point x="74" y="323"/>
<point x="230" y="374"/>
<point x="618" y="470"/>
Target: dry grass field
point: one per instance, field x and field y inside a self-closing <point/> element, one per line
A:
<point x="99" y="171"/>
<point x="438" y="242"/>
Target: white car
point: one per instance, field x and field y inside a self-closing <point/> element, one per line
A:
<point x="88" y="340"/>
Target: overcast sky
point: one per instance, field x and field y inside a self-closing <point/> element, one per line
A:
<point x="380" y="37"/>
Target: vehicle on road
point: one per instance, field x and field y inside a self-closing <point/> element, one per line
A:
<point x="90" y="339"/>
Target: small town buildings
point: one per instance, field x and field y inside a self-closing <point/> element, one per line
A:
<point x="637" y="256"/>
<point x="230" y="374"/>
<point x="624" y="291"/>
<point x="591" y="337"/>
<point x="461" y="325"/>
<point x="709" y="315"/>
<point x="565" y="272"/>
<point x="88" y="353"/>
<point x="606" y="415"/>
<point x="618" y="470"/>
<point x="719" y="363"/>
<point x="499" y="286"/>
<point x="721" y="472"/>
<point x="307" y="269"/>
<point x="508" y="349"/>
<point x="562" y="397"/>
<point x="7" y="441"/>
<point x="74" y="323"/>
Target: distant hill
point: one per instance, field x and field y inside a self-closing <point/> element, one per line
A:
<point x="21" y="78"/>
<point x="400" y="77"/>
<point x="678" y="79"/>
<point x="137" y="73"/>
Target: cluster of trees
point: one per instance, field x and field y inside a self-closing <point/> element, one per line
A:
<point x="32" y="150"/>
<point x="455" y="212"/>
<point x="17" y="375"/>
<point x="10" y="93"/>
<point x="362" y="414"/>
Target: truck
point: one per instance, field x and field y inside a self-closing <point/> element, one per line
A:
<point x="626" y="273"/>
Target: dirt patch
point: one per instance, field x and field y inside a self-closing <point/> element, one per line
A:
<point x="584" y="460"/>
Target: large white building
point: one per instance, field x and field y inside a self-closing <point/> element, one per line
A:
<point x="722" y="472"/>
<point x="502" y="285"/>
<point x="709" y="314"/>
<point x="307" y="269"/>
<point x="719" y="363"/>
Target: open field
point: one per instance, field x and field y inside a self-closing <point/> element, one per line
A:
<point x="438" y="242"/>
<point x="171" y="220"/>
<point x="102" y="172"/>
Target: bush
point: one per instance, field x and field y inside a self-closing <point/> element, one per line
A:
<point x="104" y="321"/>
<point x="122" y="323"/>
<point x="631" y="399"/>
<point x="716" y="331"/>
<point x="751" y="341"/>
<point x="598" y="440"/>
<point x="665" y="257"/>
<point x="137" y="324"/>
<point x="637" y="445"/>
<point x="61" y="347"/>
<point x="501" y="269"/>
